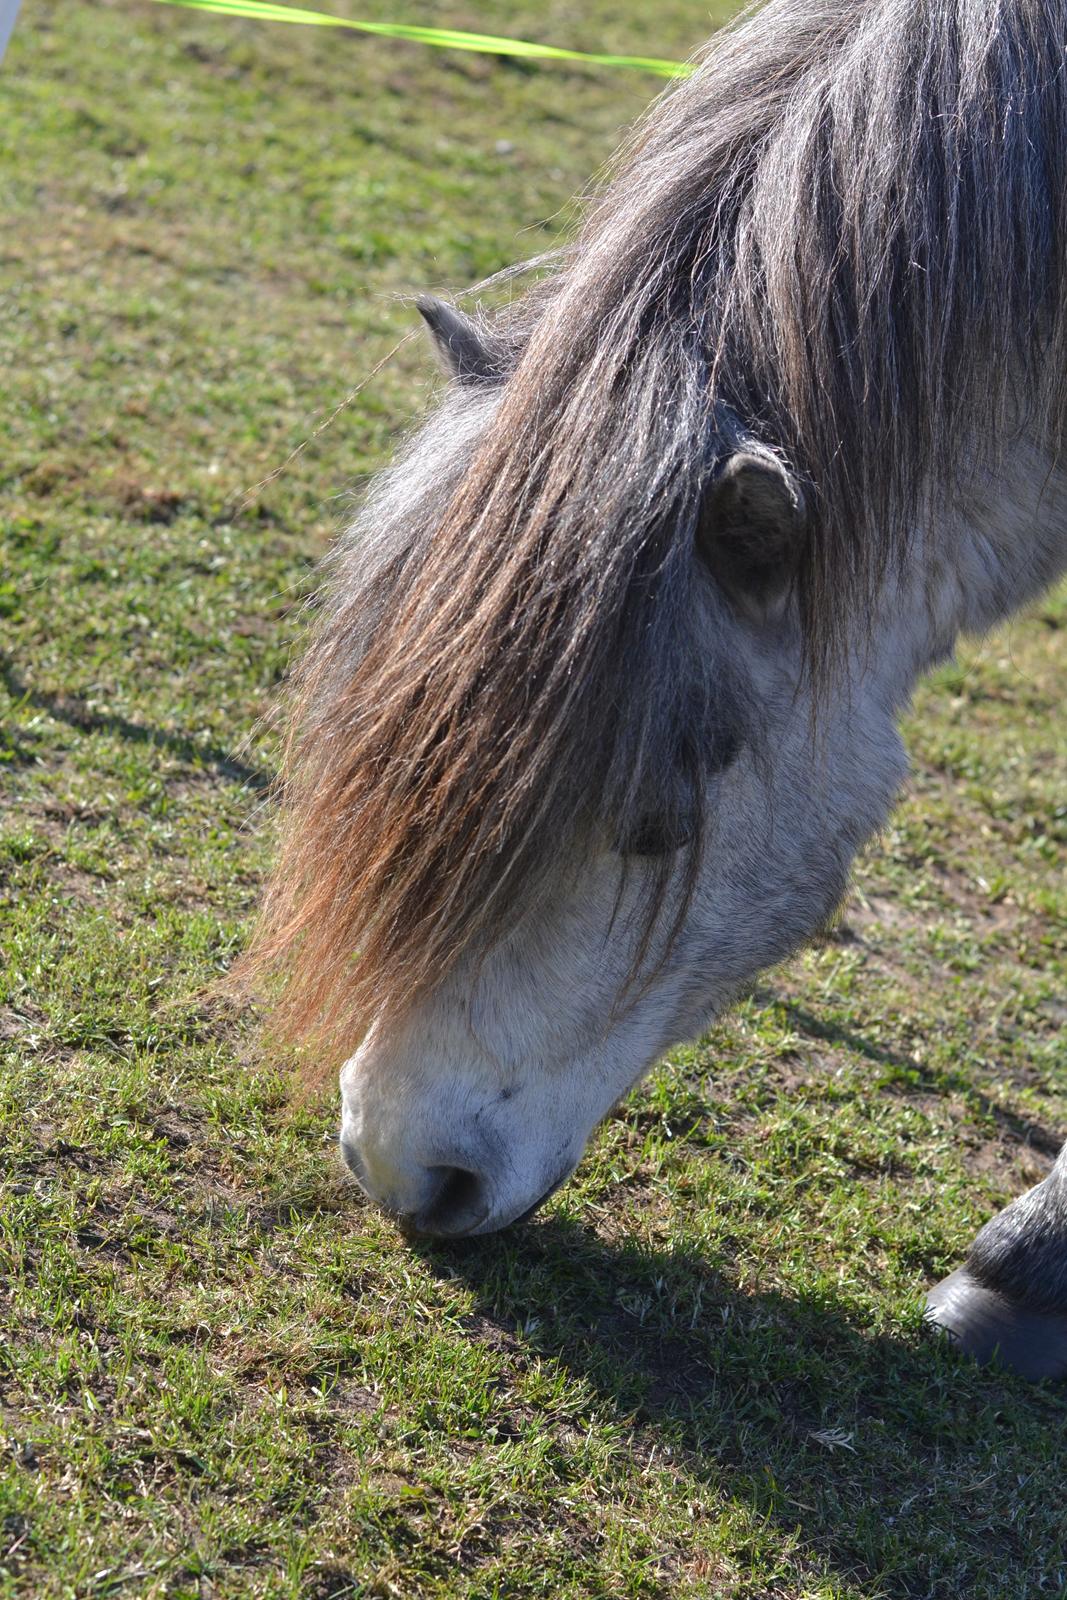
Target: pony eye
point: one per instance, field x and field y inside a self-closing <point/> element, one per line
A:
<point x="656" y="836"/>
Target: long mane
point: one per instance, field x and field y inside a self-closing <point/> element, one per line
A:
<point x="847" y="227"/>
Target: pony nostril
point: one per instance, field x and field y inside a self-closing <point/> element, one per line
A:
<point x="458" y="1206"/>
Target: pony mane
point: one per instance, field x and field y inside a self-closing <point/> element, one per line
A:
<point x="847" y="227"/>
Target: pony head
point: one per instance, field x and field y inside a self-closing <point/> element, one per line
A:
<point x="599" y="700"/>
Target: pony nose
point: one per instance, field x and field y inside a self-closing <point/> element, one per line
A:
<point x="442" y="1201"/>
<point x="460" y="1203"/>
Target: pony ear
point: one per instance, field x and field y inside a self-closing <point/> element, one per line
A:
<point x="750" y="533"/>
<point x="461" y="349"/>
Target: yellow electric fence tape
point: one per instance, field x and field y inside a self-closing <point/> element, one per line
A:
<point x="442" y="38"/>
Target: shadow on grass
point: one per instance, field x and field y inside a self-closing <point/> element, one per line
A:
<point x="75" y="713"/>
<point x="889" y="1464"/>
<point x="904" y="1075"/>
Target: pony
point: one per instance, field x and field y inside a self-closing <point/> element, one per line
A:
<point x="601" y="691"/>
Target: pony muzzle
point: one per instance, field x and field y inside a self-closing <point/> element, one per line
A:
<point x="446" y="1165"/>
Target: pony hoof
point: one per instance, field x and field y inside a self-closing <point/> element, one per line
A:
<point x="985" y="1325"/>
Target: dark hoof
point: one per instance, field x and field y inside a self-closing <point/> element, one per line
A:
<point x="988" y="1327"/>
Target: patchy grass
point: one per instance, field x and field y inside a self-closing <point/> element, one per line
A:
<point x="703" y="1372"/>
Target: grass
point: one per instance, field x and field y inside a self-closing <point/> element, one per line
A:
<point x="703" y="1371"/>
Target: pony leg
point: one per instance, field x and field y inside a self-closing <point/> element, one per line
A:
<point x="1008" y="1302"/>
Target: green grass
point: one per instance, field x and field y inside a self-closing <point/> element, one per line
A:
<point x="703" y="1372"/>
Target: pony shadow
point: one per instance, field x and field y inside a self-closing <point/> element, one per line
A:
<point x="72" y="711"/>
<point x="907" y="1076"/>
<point x="865" y="1457"/>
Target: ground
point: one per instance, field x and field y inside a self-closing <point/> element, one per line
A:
<point x="703" y="1372"/>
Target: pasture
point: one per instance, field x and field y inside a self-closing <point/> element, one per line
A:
<point x="702" y="1371"/>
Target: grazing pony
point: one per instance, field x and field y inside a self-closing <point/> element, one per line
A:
<point x="600" y="700"/>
